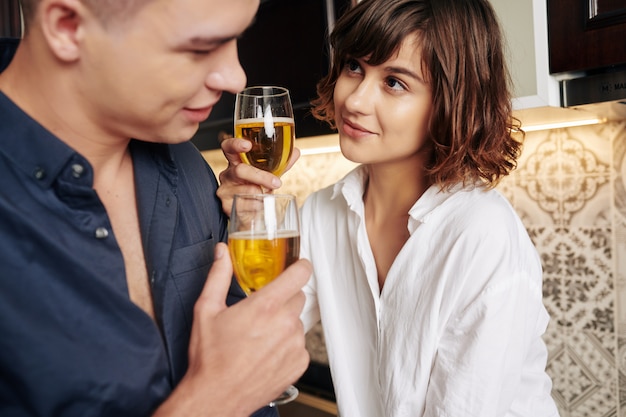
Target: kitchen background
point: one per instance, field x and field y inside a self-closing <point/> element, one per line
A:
<point x="570" y="191"/>
<point x="569" y="188"/>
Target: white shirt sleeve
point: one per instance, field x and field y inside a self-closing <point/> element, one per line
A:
<point x="484" y="352"/>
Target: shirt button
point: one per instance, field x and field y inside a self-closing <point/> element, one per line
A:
<point x="168" y="201"/>
<point x="153" y="277"/>
<point x="77" y="170"/>
<point x="101" y="233"/>
<point x="39" y="173"/>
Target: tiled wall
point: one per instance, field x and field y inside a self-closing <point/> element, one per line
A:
<point x="570" y="191"/>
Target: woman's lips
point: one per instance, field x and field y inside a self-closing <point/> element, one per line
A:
<point x="354" y="130"/>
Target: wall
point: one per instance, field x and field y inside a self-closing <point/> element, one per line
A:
<point x="570" y="191"/>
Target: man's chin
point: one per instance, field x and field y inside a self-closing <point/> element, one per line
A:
<point x="174" y="136"/>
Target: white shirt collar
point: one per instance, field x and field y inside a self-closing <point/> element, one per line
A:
<point x="352" y="187"/>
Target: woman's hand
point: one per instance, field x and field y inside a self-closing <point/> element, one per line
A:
<point x="239" y="177"/>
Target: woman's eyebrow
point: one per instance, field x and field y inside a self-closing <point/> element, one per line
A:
<point x="404" y="71"/>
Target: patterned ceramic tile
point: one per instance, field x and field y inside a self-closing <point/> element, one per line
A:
<point x="582" y="386"/>
<point x="578" y="294"/>
<point x="531" y="205"/>
<point x="588" y="148"/>
<point x="595" y="211"/>
<point x="619" y="166"/>
<point x="532" y="141"/>
<point x="620" y="284"/>
<point x="563" y="171"/>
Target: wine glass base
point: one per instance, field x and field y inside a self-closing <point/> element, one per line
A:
<point x="288" y="395"/>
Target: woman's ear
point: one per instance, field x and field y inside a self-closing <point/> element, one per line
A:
<point x="62" y="24"/>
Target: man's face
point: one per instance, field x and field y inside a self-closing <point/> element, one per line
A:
<point x="157" y="75"/>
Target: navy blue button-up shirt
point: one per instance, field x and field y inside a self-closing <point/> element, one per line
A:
<point x="72" y="343"/>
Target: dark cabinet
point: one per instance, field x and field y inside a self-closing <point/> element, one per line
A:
<point x="287" y="45"/>
<point x="585" y="35"/>
<point x="10" y="19"/>
<point x="10" y="30"/>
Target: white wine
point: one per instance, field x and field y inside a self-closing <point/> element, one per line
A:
<point x="258" y="259"/>
<point x="271" y="145"/>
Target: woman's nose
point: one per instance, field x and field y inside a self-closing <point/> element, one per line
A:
<point x="361" y="96"/>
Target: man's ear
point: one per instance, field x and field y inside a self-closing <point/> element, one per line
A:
<point x="62" y="25"/>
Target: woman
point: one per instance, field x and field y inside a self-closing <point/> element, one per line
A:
<point x="427" y="284"/>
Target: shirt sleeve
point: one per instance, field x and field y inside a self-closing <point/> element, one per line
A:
<point x="491" y="356"/>
<point x="310" y="313"/>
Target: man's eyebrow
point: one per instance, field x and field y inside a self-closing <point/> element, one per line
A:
<point x="208" y="41"/>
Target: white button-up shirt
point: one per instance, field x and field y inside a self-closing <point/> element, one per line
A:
<point x="456" y="330"/>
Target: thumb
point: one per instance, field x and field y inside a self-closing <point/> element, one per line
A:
<point x="215" y="290"/>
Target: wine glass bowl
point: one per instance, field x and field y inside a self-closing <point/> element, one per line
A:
<point x="264" y="237"/>
<point x="264" y="116"/>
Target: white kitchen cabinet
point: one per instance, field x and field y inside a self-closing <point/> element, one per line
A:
<point x="536" y="94"/>
<point x="525" y="27"/>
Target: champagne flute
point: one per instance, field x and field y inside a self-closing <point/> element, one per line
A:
<point x="264" y="116"/>
<point x="263" y="240"/>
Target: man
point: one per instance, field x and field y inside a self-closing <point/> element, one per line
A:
<point x="106" y="241"/>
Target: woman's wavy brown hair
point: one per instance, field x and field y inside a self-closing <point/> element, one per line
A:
<point x="472" y="128"/>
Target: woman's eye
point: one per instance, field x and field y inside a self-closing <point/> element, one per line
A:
<point x="395" y="84"/>
<point x="352" y="65"/>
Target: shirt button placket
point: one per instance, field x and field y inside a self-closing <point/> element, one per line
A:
<point x="77" y="170"/>
<point x="101" y="233"/>
<point x="39" y="173"/>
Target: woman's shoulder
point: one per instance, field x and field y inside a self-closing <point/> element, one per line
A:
<point x="480" y="207"/>
<point x="319" y="204"/>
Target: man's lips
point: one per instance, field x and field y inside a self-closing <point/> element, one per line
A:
<point x="199" y="114"/>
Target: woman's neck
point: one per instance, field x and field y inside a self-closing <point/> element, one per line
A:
<point x="393" y="188"/>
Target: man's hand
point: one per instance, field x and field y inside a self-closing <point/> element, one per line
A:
<point x="241" y="357"/>
<point x="240" y="178"/>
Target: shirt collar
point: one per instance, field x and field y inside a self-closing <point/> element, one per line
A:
<point x="352" y="187"/>
<point x="32" y="148"/>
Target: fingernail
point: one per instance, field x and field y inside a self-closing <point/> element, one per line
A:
<point x="276" y="182"/>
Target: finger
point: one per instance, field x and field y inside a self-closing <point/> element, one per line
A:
<point x="295" y="155"/>
<point x="247" y="174"/>
<point x="226" y="192"/>
<point x="213" y="295"/>
<point x="232" y="147"/>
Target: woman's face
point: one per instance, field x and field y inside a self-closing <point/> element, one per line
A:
<point x="382" y="112"/>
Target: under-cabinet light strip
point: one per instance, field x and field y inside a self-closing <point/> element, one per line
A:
<point x="561" y="125"/>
